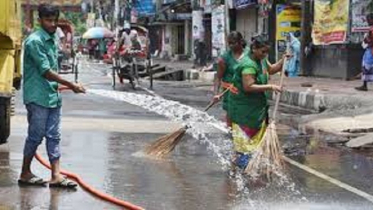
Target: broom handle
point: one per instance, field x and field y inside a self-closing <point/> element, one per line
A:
<point x="212" y="103"/>
<point x="278" y="96"/>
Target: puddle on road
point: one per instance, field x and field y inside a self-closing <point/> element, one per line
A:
<point x="220" y="146"/>
<point x="283" y="191"/>
<point x="240" y="196"/>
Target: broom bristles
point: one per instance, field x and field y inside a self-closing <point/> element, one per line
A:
<point x="164" y="145"/>
<point x="268" y="157"/>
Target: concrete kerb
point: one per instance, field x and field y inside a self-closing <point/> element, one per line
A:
<point x="316" y="101"/>
<point x="303" y="99"/>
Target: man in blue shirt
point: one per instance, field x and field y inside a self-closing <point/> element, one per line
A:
<point x="42" y="99"/>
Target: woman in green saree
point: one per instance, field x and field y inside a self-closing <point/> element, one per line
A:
<point x="248" y="106"/>
<point x="228" y="63"/>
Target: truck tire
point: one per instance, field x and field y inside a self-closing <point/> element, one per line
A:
<point x="5" y="110"/>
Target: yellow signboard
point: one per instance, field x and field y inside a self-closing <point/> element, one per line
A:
<point x="331" y="19"/>
<point x="288" y="20"/>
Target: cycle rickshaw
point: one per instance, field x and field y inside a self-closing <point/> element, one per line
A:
<point x="68" y="62"/>
<point x="131" y="60"/>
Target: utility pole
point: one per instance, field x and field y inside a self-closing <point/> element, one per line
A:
<point x="117" y="34"/>
<point x="92" y="6"/>
<point x="116" y="12"/>
<point x="28" y="14"/>
<point x="227" y="20"/>
<point x="305" y="35"/>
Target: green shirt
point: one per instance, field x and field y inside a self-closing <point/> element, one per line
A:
<point x="249" y="109"/>
<point x="102" y="46"/>
<point x="231" y="65"/>
<point x="40" y="56"/>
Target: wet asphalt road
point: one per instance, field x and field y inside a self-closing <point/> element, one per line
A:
<point x="102" y="139"/>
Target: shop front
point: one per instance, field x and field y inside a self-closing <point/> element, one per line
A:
<point x="246" y="17"/>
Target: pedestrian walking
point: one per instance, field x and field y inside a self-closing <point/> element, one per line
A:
<point x="42" y="99"/>
<point x="293" y="64"/>
<point x="91" y="48"/>
<point x="61" y="46"/>
<point x="367" y="66"/>
<point x="227" y="66"/>
<point x="248" y="106"/>
<point x="367" y="61"/>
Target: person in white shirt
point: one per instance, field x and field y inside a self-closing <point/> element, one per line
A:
<point x="61" y="45"/>
<point x="61" y="38"/>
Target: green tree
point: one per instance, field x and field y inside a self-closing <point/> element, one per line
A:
<point x="78" y="21"/>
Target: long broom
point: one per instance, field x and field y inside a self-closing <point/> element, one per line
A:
<point x="164" y="145"/>
<point x="267" y="159"/>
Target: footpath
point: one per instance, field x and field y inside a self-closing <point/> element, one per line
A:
<point x="339" y="108"/>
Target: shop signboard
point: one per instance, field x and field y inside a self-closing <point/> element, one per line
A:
<point x="241" y="4"/>
<point x="360" y="8"/>
<point x="218" y="30"/>
<point x="145" y="7"/>
<point x="331" y="19"/>
<point x="197" y="22"/>
<point x="183" y="16"/>
<point x="288" y="20"/>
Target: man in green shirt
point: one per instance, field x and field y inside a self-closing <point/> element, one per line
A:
<point x="42" y="99"/>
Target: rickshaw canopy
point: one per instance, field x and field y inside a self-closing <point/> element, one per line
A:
<point x="98" y="33"/>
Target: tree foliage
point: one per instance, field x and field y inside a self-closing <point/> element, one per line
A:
<point x="78" y="20"/>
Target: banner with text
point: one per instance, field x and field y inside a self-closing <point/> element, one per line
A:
<point x="331" y="18"/>
<point x="218" y="30"/>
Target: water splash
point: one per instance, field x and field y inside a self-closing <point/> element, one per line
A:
<point x="200" y="125"/>
<point x="199" y="122"/>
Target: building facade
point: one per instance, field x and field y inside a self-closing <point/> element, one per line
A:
<point x="173" y="23"/>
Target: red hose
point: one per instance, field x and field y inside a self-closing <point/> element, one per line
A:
<point x="90" y="189"/>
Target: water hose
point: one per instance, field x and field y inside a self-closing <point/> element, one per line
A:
<point x="90" y="189"/>
<point x="86" y="186"/>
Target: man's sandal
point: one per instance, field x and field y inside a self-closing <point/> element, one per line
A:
<point x="33" y="181"/>
<point x="64" y="183"/>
